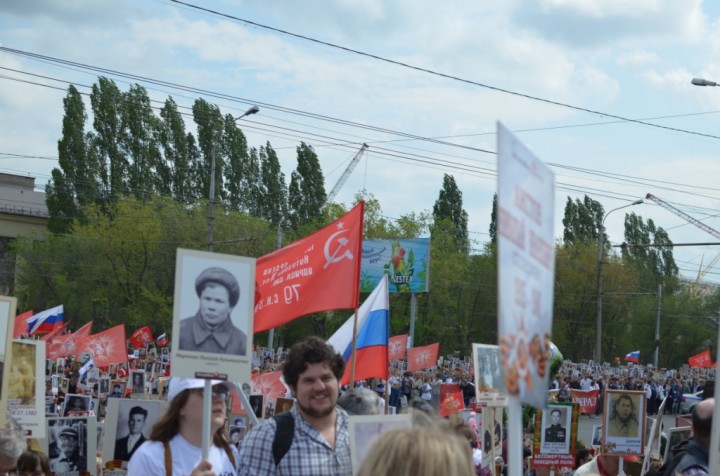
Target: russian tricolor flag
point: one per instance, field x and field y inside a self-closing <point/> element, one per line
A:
<point x="371" y="352"/>
<point x="633" y="357"/>
<point x="45" y="321"/>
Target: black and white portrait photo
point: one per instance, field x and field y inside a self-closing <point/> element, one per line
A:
<point x="256" y="405"/>
<point x="76" y="404"/>
<point x="624" y="424"/>
<point x="489" y="385"/>
<point x="137" y="380"/>
<point x="213" y="312"/>
<point x="127" y="426"/>
<point x="556" y="429"/>
<point x="71" y="445"/>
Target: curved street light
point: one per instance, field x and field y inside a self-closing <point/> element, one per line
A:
<point x="601" y="244"/>
<point x="703" y="82"/>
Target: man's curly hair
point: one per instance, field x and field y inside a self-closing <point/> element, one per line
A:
<point x="312" y="350"/>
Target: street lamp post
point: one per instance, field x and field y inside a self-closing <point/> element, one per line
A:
<point x="598" y="318"/>
<point x="703" y="82"/>
<point x="211" y="198"/>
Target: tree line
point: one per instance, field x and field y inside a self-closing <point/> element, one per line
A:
<point x="132" y="187"/>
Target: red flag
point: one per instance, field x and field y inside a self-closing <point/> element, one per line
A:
<point x="397" y="347"/>
<point x="451" y="403"/>
<point x="269" y="385"/>
<point x="141" y="337"/>
<point x="422" y="357"/>
<point x="64" y="345"/>
<point x="21" y="326"/>
<point x="703" y="359"/>
<point x="318" y="273"/>
<point x="107" y="347"/>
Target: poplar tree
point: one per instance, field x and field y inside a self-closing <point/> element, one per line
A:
<point x="106" y="102"/>
<point x="448" y="214"/>
<point x="306" y="195"/>
<point x="273" y="188"/>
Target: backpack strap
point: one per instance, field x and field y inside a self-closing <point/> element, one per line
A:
<point x="168" y="459"/>
<point x="283" y="435"/>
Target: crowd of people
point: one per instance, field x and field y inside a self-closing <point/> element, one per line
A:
<point x="317" y="441"/>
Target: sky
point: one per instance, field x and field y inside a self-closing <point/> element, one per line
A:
<point x="600" y="91"/>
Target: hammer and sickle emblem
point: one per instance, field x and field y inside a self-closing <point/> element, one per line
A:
<point x="337" y="254"/>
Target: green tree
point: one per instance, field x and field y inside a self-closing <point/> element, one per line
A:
<point x="273" y="190"/>
<point x="449" y="215"/>
<point x="210" y="126"/>
<point x="174" y="170"/>
<point x="238" y="179"/>
<point x="139" y="144"/>
<point x="582" y="221"/>
<point x="74" y="183"/>
<point x="106" y="101"/>
<point x="650" y="250"/>
<point x="306" y="195"/>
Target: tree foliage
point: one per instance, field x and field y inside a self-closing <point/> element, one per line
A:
<point x="306" y="195"/>
<point x="450" y="217"/>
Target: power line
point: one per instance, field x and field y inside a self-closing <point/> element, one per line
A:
<point x="439" y="74"/>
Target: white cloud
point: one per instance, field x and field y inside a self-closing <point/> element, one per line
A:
<point x="637" y="57"/>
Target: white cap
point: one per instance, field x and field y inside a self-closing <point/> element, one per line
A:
<point x="178" y="384"/>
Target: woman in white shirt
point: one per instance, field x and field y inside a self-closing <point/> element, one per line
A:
<point x="176" y="438"/>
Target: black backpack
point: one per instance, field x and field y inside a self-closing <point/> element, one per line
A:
<point x="283" y="435"/>
<point x="668" y="469"/>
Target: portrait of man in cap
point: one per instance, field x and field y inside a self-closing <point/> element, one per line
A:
<point x="211" y="329"/>
<point x="68" y="456"/>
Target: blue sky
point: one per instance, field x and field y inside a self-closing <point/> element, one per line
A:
<point x="632" y="59"/>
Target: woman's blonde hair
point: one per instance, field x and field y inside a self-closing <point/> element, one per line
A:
<point x="419" y="451"/>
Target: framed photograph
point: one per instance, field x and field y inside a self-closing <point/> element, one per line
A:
<point x="76" y="405"/>
<point x="237" y="419"/>
<point x="284" y="405"/>
<point x="213" y="291"/>
<point x="489" y="385"/>
<point x="256" y="405"/>
<point x="71" y="445"/>
<point x="675" y="436"/>
<point x="597" y="435"/>
<point x="624" y="423"/>
<point x="7" y="327"/>
<point x="137" y="380"/>
<point x="127" y="425"/>
<point x="556" y="429"/>
<point x="25" y="398"/>
<point x="50" y="407"/>
<point x="492" y="434"/>
<point x="117" y="389"/>
<point x="365" y="429"/>
<point x="104" y="386"/>
<point x="64" y="384"/>
<point x="237" y="435"/>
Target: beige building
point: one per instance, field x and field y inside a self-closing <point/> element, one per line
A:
<point x="22" y="211"/>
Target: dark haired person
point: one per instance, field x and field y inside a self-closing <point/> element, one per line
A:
<point x="211" y="329"/>
<point x="320" y="443"/>
<point x="126" y="446"/>
<point x="555" y="433"/>
<point x="623" y="421"/>
<point x="32" y="463"/>
<point x="177" y="435"/>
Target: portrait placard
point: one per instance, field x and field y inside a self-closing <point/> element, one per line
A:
<point x="71" y="445"/>
<point x="137" y="383"/>
<point x="489" y="385"/>
<point x="675" y="436"/>
<point x="76" y="405"/>
<point x="284" y="405"/>
<point x="26" y="389"/>
<point x="624" y="422"/>
<point x="365" y="429"/>
<point x="7" y="326"/>
<point x="554" y="443"/>
<point x="256" y="405"/>
<point x="213" y="316"/>
<point x="127" y="425"/>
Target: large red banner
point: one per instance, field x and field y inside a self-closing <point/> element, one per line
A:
<point x="422" y="357"/>
<point x="107" y="347"/>
<point x="397" y="347"/>
<point x="703" y="359"/>
<point x="586" y="399"/>
<point x="57" y="346"/>
<point x="318" y="273"/>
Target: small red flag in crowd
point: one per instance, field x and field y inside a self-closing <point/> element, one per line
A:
<point x="451" y="403"/>
<point x="422" y="357"/>
<point x="107" y="347"/>
<point x="141" y="337"/>
<point x="397" y="347"/>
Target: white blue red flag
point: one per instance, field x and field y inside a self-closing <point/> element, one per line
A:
<point x="371" y="353"/>
<point x="633" y="357"/>
<point x="45" y="321"/>
<point x="162" y="340"/>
